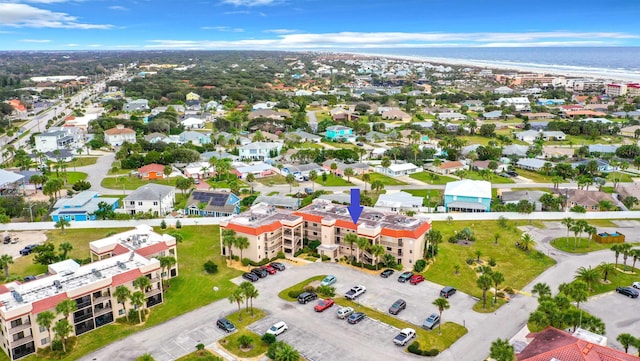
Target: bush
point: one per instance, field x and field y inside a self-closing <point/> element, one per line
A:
<point x="246" y="261"/>
<point x="492" y="262"/>
<point x="178" y="224"/>
<point x="327" y="291"/>
<point x="56" y="345"/>
<point x="433" y="352"/>
<point x="366" y="265"/>
<point x="298" y="252"/>
<point x="235" y="258"/>
<point x="200" y="346"/>
<point x="163" y="224"/>
<point x="500" y="294"/>
<point x="420" y="265"/>
<point x="294" y="293"/>
<point x="509" y="290"/>
<point x="470" y="261"/>
<point x="414" y="348"/>
<point x="210" y="267"/>
<point x="280" y="255"/>
<point x="268" y="338"/>
<point x="81" y="185"/>
<point x="313" y="245"/>
<point x="325" y="258"/>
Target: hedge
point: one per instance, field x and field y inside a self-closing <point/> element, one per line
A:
<point x="415" y="349"/>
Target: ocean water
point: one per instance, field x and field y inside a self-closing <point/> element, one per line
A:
<point x="618" y="59"/>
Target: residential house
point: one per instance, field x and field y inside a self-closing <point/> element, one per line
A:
<point x="397" y="170"/>
<point x="139" y="105"/>
<point x="630" y="131"/>
<point x="449" y="167"/>
<point x="212" y="204"/>
<point x="268" y="113"/>
<point x="528" y="136"/>
<point x="199" y="170"/>
<point x="156" y="137"/>
<point x="532" y="164"/>
<point x="474" y="105"/>
<point x="503" y="90"/>
<point x="80" y="207"/>
<point x="589" y="199"/>
<point x="399" y="202"/>
<point x="342" y="114"/>
<point x="192" y="123"/>
<point x="192" y="99"/>
<point x="603" y="148"/>
<point x="538" y="125"/>
<point x="119" y="135"/>
<point x="484" y="164"/>
<point x="540" y="115"/>
<point x="19" y="109"/>
<point x="496" y="114"/>
<point x="396" y="114"/>
<point x="532" y="197"/>
<point x="603" y="165"/>
<point x="195" y="138"/>
<point x="260" y="150"/>
<point x="157" y="199"/>
<point x="271" y="230"/>
<point x="467" y="196"/>
<point x="259" y="170"/>
<point x="151" y="171"/>
<point x="516" y="150"/>
<point x="550" y="135"/>
<point x="451" y="116"/>
<point x="264" y="105"/>
<point x="279" y="202"/>
<point x="58" y="139"/>
<point x="550" y="102"/>
<point x="206" y="156"/>
<point x="520" y="104"/>
<point x="468" y="149"/>
<point x="302" y="169"/>
<point x="553" y="151"/>
<point x="358" y="168"/>
<point x="302" y="136"/>
<point x="338" y="132"/>
<point x="125" y="256"/>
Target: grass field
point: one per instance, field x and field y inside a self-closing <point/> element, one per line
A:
<point x="82" y="162"/>
<point x="432" y="178"/>
<point x="535" y="177"/>
<point x="387" y="181"/>
<point x="203" y="355"/>
<point x="333" y="181"/>
<point x="274" y="179"/>
<point x="624" y="178"/>
<point x="434" y="195"/>
<point x="618" y="278"/>
<point x="284" y="294"/>
<point x="494" y="178"/>
<point x="133" y="182"/>
<point x="581" y="245"/>
<point x="241" y="319"/>
<point x="519" y="267"/>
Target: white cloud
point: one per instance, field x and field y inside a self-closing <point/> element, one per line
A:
<point x="118" y="8"/>
<point x="401" y="40"/>
<point x="34" y="40"/>
<point x="280" y="31"/>
<point x="237" y="12"/>
<point x="250" y="3"/>
<point x="22" y="15"/>
<point x="72" y="45"/>
<point x="223" y="29"/>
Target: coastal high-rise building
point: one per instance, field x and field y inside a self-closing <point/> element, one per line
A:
<point x="271" y="230"/>
<point x="615" y="90"/>
<point x="633" y="90"/>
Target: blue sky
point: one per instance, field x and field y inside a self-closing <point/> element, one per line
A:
<point x="314" y="24"/>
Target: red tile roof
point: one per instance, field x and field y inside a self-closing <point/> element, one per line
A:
<point x="4" y="289"/>
<point x="152" y="249"/>
<point x="115" y="131"/>
<point x="552" y="343"/>
<point x="48" y="303"/>
<point x="254" y="230"/>
<point x="448" y="165"/>
<point x="120" y="249"/>
<point x="153" y="167"/>
<point x="123" y="278"/>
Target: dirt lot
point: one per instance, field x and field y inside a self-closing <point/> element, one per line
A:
<point x="21" y="239"/>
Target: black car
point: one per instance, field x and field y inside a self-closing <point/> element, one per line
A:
<point x="356" y="317"/>
<point x="386" y="273"/>
<point x="305" y="297"/>
<point x="628" y="291"/>
<point x="277" y="265"/>
<point x="29" y="278"/>
<point x="260" y="272"/>
<point x="404" y="277"/>
<point x="397" y="306"/>
<point x="225" y="325"/>
<point x="512" y="173"/>
<point x="250" y="276"/>
<point x="27" y="249"/>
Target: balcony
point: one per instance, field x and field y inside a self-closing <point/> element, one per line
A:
<point x="152" y="292"/>
<point x="21" y="341"/>
<point x="101" y="299"/>
<point x="101" y="311"/>
<point x="19" y="328"/>
<point x="84" y="304"/>
<point x="82" y="317"/>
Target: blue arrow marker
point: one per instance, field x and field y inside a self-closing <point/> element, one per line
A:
<point x="355" y="209"/>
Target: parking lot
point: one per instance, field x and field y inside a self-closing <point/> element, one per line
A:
<point x="322" y="336"/>
<point x="618" y="312"/>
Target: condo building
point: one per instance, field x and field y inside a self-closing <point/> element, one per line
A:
<point x="271" y="230"/>
<point x="118" y="261"/>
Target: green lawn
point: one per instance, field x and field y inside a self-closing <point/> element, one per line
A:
<point x="618" y="278"/>
<point x="519" y="267"/>
<point x="203" y="355"/>
<point x="435" y="195"/>
<point x="225" y="184"/>
<point x="578" y="140"/>
<point x="231" y="344"/>
<point x="582" y="245"/>
<point x="494" y="178"/>
<point x="133" y="182"/>
<point x="339" y="145"/>
<point x="535" y="177"/>
<point x="199" y="245"/>
<point x="624" y="178"/>
<point x="284" y="294"/>
<point x="274" y="179"/>
<point x="333" y="181"/>
<point x="432" y="178"/>
<point x="71" y="177"/>
<point x="82" y="161"/>
<point x="388" y="181"/>
<point x="307" y="145"/>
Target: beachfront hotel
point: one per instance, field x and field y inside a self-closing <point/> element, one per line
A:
<point x="118" y="261"/>
<point x="271" y="230"/>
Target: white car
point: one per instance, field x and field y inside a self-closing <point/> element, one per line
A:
<point x="636" y="285"/>
<point x="278" y="328"/>
<point x="344" y="312"/>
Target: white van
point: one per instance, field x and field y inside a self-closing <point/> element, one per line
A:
<point x="344" y="312"/>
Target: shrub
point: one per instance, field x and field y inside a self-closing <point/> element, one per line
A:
<point x="452" y="239"/>
<point x="500" y="294"/>
<point x="492" y="262"/>
<point x="163" y="224"/>
<point x="298" y="252"/>
<point x="309" y="289"/>
<point x="200" y="346"/>
<point x="414" y="348"/>
<point x="110" y="233"/>
<point x="210" y="267"/>
<point x="470" y="261"/>
<point x="245" y="341"/>
<point x="509" y="290"/>
<point x="325" y="258"/>
<point x="246" y="261"/>
<point x="56" y="345"/>
<point x="81" y="185"/>
<point x="294" y="293"/>
<point x="327" y="291"/>
<point x="420" y="265"/>
<point x="236" y="257"/>
<point x="268" y="338"/>
<point x="433" y="352"/>
<point x="280" y="255"/>
<point x="178" y="224"/>
<point x="313" y="245"/>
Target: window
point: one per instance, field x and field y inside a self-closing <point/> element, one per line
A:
<point x="132" y="203"/>
<point x="139" y="203"/>
<point x="315" y="224"/>
<point x="315" y="233"/>
<point x="44" y="341"/>
<point x="121" y="312"/>
<point x="155" y="203"/>
<point x="42" y="329"/>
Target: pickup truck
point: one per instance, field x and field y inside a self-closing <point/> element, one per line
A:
<point x="355" y="291"/>
<point x="406" y="334"/>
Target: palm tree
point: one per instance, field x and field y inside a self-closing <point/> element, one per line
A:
<point x="616" y="249"/>
<point x="386" y="162"/>
<point x="625" y="340"/>
<point x="62" y="223"/>
<point x="290" y="179"/>
<point x="250" y="179"/>
<point x="484" y="282"/>
<point x="377" y="250"/>
<point x="45" y="319"/>
<point x="606" y="269"/>
<point x="501" y="350"/>
<point x="362" y="244"/>
<point x="237" y="296"/>
<point x="142" y="283"/>
<point x="286" y="353"/>
<point x="5" y="261"/>
<point x="166" y="262"/>
<point x="66" y="307"/>
<point x="527" y="242"/>
<point x="241" y="243"/>
<point x="62" y="328"/>
<point x="348" y="172"/>
<point x="635" y="253"/>
<point x="377" y="186"/>
<point x="351" y="239"/>
<point x="625" y="248"/>
<point x="497" y="278"/>
<point x="250" y="292"/>
<point x="587" y="275"/>
<point x="167" y="170"/>
<point x="65" y="247"/>
<point x="542" y="290"/>
<point x="577" y="290"/>
<point x="442" y="304"/>
<point x="137" y="300"/>
<point x="228" y="239"/>
<point x="313" y="176"/>
<point x="568" y="222"/>
<point x="122" y="294"/>
<point x="365" y="178"/>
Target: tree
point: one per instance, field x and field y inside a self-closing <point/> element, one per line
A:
<point x="377" y="250"/>
<point x="365" y="178"/>
<point x="577" y="290"/>
<point x="625" y="340"/>
<point x="250" y="179"/>
<point x="286" y="353"/>
<point x="386" y="162"/>
<point x="137" y="300"/>
<point x="228" y="239"/>
<point x="241" y="243"/>
<point x="351" y="239"/>
<point x="104" y="211"/>
<point x="167" y="170"/>
<point x="61" y="224"/>
<point x="442" y="304"/>
<point x="166" y="262"/>
<point x="184" y="184"/>
<point x="62" y="329"/>
<point x="122" y="294"/>
<point x="249" y="292"/>
<point x="542" y="290"/>
<point x="362" y="244"/>
<point x="377" y="185"/>
<point x="587" y="275"/>
<point x="142" y="283"/>
<point x="625" y="248"/>
<point x="313" y="176"/>
<point x="497" y="278"/>
<point x="237" y="296"/>
<point x="348" y="172"/>
<point x="616" y="249"/>
<point x="501" y="350"/>
<point x="65" y="248"/>
<point x="290" y="179"/>
<point x="5" y="261"/>
<point x="527" y="242"/>
<point x="635" y="253"/>
<point x="66" y="307"/>
<point x="45" y="319"/>
<point x="484" y="282"/>
<point x="630" y="201"/>
<point x="606" y="269"/>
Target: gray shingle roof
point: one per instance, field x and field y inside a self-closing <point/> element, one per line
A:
<point x="149" y="191"/>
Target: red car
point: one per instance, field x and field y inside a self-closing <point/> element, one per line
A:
<point x="269" y="269"/>
<point x="324" y="304"/>
<point x="415" y="279"/>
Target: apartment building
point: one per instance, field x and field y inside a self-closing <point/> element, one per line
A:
<point x="615" y="90"/>
<point x="119" y="260"/>
<point x="271" y="230"/>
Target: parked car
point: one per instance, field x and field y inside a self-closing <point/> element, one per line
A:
<point x="405" y="276"/>
<point x="28" y="249"/>
<point x="405" y="335"/>
<point x="305" y="297"/>
<point x="328" y="281"/>
<point x="344" y="312"/>
<point x="386" y="273"/>
<point x="432" y="321"/>
<point x="7" y="239"/>
<point x="355" y="292"/>
<point x="29" y="278"/>
<point x="636" y="285"/>
<point x="270" y="270"/>
<point x="259" y="272"/>
<point x="225" y="325"/>
<point x="277" y="265"/>
<point x="512" y="173"/>
<point x="415" y="279"/>
<point x="628" y="291"/>
<point x="250" y="276"/>
<point x="360" y="144"/>
<point x="397" y="306"/>
<point x="278" y="328"/>
<point x="447" y="292"/>
<point x="356" y="317"/>
<point x="324" y="304"/>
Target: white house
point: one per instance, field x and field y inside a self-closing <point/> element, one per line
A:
<point x="397" y="170"/>
<point x="58" y="139"/>
<point x="519" y="103"/>
<point x="399" y="202"/>
<point x="553" y="135"/>
<point x="259" y="150"/>
<point x="528" y="136"/>
<point x="451" y="116"/>
<point x="192" y="123"/>
<point x="155" y="198"/>
<point x="118" y="135"/>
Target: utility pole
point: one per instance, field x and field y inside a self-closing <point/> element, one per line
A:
<point x="30" y="208"/>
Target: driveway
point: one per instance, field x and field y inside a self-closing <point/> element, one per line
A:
<point x="98" y="171"/>
<point x="619" y="313"/>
